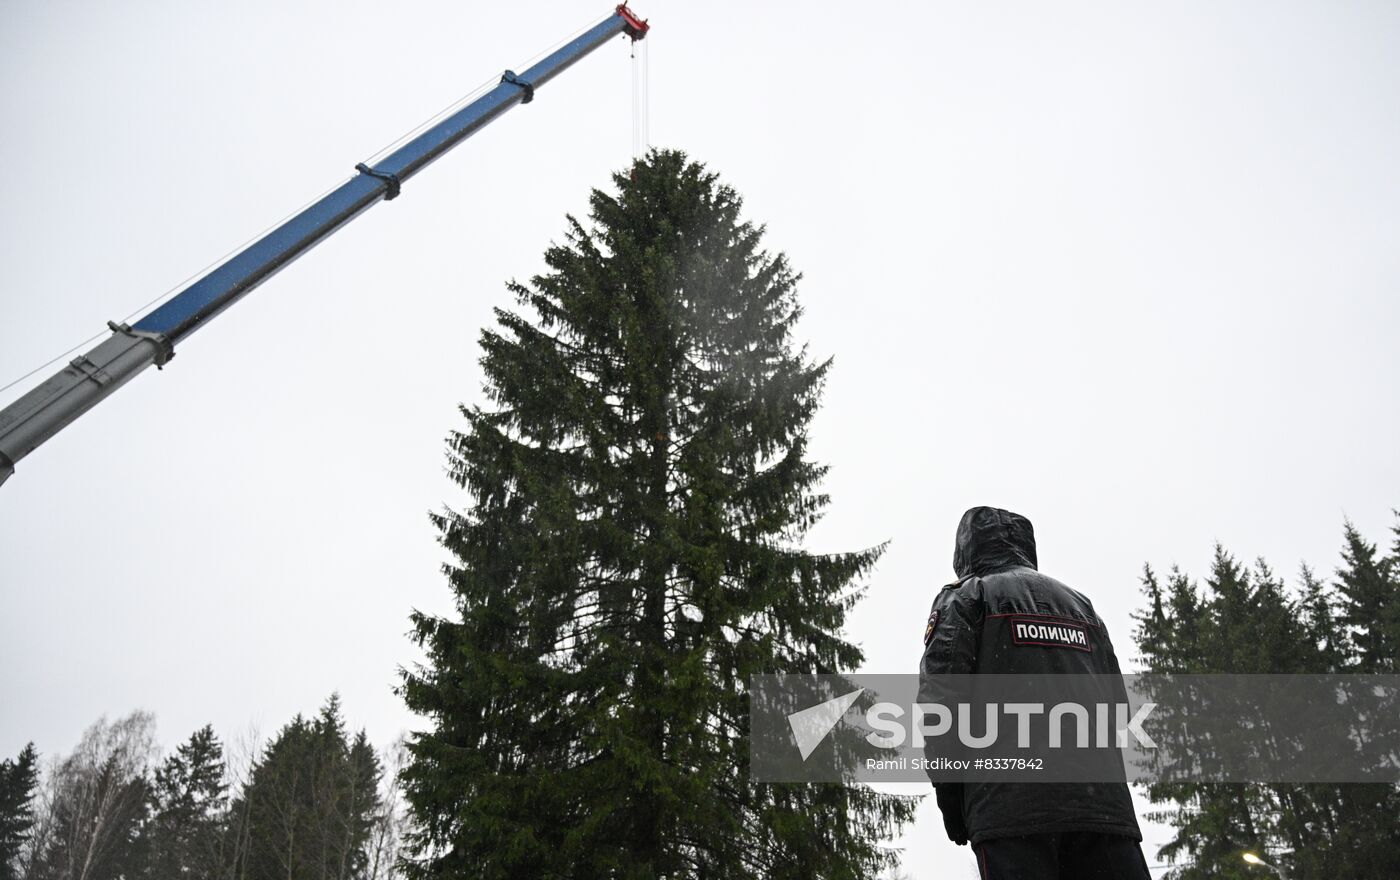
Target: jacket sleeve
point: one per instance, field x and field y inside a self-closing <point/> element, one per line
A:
<point x="951" y="639"/>
<point x="951" y="636"/>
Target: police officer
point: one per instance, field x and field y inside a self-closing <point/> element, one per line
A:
<point x="1025" y="830"/>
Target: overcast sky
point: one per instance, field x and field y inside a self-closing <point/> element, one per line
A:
<point x="1127" y="268"/>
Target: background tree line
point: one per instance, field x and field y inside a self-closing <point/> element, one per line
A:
<point x="1245" y="619"/>
<point x="314" y="802"/>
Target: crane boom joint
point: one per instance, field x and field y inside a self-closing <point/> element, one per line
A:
<point x="164" y="350"/>
<point x="392" y="180"/>
<point x="510" y="77"/>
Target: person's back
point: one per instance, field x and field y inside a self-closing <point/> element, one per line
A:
<point x="1002" y="616"/>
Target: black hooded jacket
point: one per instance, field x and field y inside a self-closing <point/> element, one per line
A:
<point x="979" y="625"/>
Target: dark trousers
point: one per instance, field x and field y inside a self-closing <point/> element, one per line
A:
<point x="1082" y="855"/>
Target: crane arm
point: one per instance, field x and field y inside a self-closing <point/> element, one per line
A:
<point x="94" y="375"/>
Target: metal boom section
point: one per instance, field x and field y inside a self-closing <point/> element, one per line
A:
<point x="91" y="377"/>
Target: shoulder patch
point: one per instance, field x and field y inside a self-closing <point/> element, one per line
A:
<point x="928" y="629"/>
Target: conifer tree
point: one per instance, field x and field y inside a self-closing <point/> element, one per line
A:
<point x="1368" y="600"/>
<point x="632" y="552"/>
<point x="1152" y="629"/>
<point x="1320" y="615"/>
<point x="1204" y="631"/>
<point x="19" y="778"/>
<point x="310" y="802"/>
<point x="188" y="799"/>
<point x="361" y="806"/>
<point x="1370" y="596"/>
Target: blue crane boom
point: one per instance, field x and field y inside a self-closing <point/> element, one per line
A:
<point x="91" y="377"/>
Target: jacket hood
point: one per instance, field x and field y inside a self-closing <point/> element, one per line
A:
<point x="991" y="539"/>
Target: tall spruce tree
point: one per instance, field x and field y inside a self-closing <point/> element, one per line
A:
<point x="631" y="554"/>
<point x="19" y="778"/>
